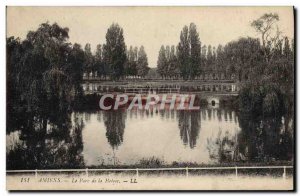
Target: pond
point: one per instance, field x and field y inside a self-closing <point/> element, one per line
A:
<point x="153" y="137"/>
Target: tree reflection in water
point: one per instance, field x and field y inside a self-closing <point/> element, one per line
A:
<point x="189" y="126"/>
<point x="59" y="144"/>
<point x="260" y="140"/>
<point x="265" y="139"/>
<point x="115" y="124"/>
<point x="59" y="147"/>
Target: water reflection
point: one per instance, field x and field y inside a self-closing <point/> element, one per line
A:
<point x="189" y="126"/>
<point x="260" y="140"/>
<point x="115" y="124"/>
<point x="59" y="145"/>
<point x="210" y="135"/>
<point x="223" y="147"/>
<point x="265" y="139"/>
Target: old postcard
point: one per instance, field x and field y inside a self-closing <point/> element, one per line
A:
<point x="150" y="98"/>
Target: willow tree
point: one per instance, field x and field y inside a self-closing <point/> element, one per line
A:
<point x="43" y="79"/>
<point x="269" y="70"/>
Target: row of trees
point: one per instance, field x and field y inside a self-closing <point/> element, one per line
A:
<point x="211" y="60"/>
<point x="167" y="64"/>
<point x="189" y="59"/>
<point x="186" y="61"/>
<point x="44" y="71"/>
<point x="264" y="67"/>
<point x="112" y="59"/>
<point x="137" y="62"/>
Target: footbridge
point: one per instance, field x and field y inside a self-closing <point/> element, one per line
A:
<point x="212" y="91"/>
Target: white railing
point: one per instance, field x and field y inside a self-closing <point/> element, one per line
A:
<point x="186" y="169"/>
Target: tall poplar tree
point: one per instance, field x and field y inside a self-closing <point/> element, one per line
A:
<point x="115" y="51"/>
<point x="88" y="58"/>
<point x="162" y="64"/>
<point x="189" y="52"/>
<point x="172" y="64"/>
<point x="195" y="51"/>
<point x="184" y="53"/>
<point x="142" y="63"/>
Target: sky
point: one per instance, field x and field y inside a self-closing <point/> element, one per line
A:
<point x="147" y="26"/>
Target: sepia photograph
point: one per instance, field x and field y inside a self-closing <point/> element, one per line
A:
<point x="150" y="98"/>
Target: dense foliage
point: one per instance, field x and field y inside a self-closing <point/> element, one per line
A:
<point x="264" y="68"/>
<point x="43" y="72"/>
<point x="113" y="60"/>
<point x="137" y="62"/>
